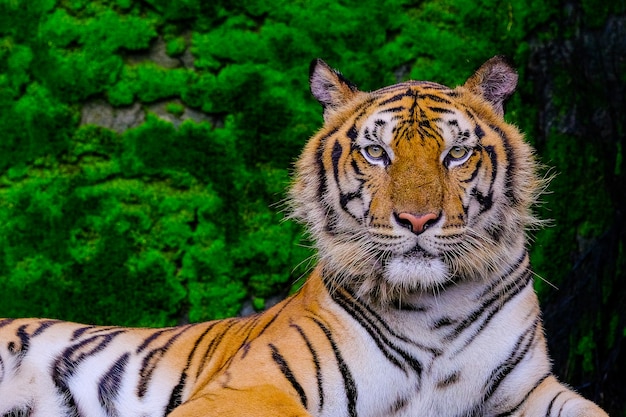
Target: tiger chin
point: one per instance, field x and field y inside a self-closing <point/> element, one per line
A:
<point x="417" y="197"/>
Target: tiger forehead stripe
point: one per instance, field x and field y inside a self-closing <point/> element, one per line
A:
<point x="435" y="97"/>
<point x="406" y="93"/>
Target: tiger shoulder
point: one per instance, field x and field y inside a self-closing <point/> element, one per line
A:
<point x="418" y="198"/>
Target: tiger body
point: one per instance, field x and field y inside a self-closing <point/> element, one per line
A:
<point x="422" y="304"/>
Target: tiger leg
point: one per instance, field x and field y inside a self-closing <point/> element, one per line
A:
<point x="551" y="398"/>
<point x="264" y="400"/>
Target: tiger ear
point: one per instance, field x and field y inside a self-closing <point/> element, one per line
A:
<point x="494" y="81"/>
<point x="329" y="87"/>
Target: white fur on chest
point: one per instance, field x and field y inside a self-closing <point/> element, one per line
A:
<point x="457" y="372"/>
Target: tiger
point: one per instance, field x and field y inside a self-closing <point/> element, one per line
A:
<point x="418" y="198"/>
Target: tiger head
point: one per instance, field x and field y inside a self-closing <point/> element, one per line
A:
<point x="416" y="185"/>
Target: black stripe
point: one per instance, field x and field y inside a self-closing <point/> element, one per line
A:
<point x="436" y="98"/>
<point x="319" y="157"/>
<point x="6" y="322"/>
<point x="397" y="97"/>
<point x="379" y="122"/>
<point x="154" y="336"/>
<point x="151" y="360"/>
<point x="474" y="173"/>
<point x="441" y="110"/>
<point x="176" y="395"/>
<point x="79" y="332"/>
<point x="491" y="307"/>
<point x="352" y="133"/>
<point x="518" y="353"/>
<point x="66" y="364"/>
<point x="443" y="322"/>
<point x="549" y="410"/>
<point x="110" y="384"/>
<point x="348" y="381"/>
<point x="269" y="323"/>
<point x="513" y="411"/>
<point x="479" y="132"/>
<point x="288" y="374"/>
<point x="348" y="298"/>
<point x="383" y="343"/>
<point x="215" y="342"/>
<point x="406" y="86"/>
<point x="316" y="363"/>
<point x="24" y="340"/>
<point x="449" y="380"/>
<point x="563" y="406"/>
<point x="24" y="344"/>
<point x="335" y="156"/>
<point x="22" y="411"/>
<point x="250" y="326"/>
<point x="426" y="126"/>
<point x="344" y="198"/>
<point x="486" y="200"/>
<point x="43" y="326"/>
<point x="509" y="172"/>
<point x="401" y="305"/>
<point x="393" y="110"/>
<point x="508" y="277"/>
<point x="103" y="330"/>
<point x="434" y="86"/>
<point x="493" y="156"/>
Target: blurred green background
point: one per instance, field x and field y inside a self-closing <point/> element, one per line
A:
<point x="146" y="145"/>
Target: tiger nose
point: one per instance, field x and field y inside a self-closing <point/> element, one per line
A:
<point x="417" y="223"/>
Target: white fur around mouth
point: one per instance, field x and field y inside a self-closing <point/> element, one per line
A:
<point x="416" y="270"/>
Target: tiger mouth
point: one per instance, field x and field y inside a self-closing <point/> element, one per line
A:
<point x="417" y="252"/>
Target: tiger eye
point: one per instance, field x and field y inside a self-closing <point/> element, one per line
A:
<point x="457" y="152"/>
<point x="375" y="151"/>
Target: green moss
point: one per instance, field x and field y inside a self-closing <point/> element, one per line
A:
<point x="595" y="12"/>
<point x="614" y="332"/>
<point x="174" y="10"/>
<point x="585" y="348"/>
<point x="176" y="46"/>
<point x="110" y="32"/>
<point x="147" y="82"/>
<point x="258" y="303"/>
<point x="124" y="4"/>
<point x="176" y="109"/>
<point x="35" y="124"/>
<point x="18" y="64"/>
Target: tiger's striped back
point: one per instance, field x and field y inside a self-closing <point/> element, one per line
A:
<point x="418" y="197"/>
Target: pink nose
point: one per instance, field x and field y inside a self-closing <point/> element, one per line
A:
<point x="416" y="222"/>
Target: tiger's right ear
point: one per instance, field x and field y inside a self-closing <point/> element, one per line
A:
<point x="329" y="87"/>
<point x="494" y="81"/>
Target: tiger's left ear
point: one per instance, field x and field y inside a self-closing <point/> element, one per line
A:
<point x="329" y="87"/>
<point x="494" y="81"/>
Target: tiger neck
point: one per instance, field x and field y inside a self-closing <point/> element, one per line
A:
<point x="458" y="291"/>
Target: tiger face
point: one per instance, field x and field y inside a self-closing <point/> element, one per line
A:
<point x="416" y="185"/>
